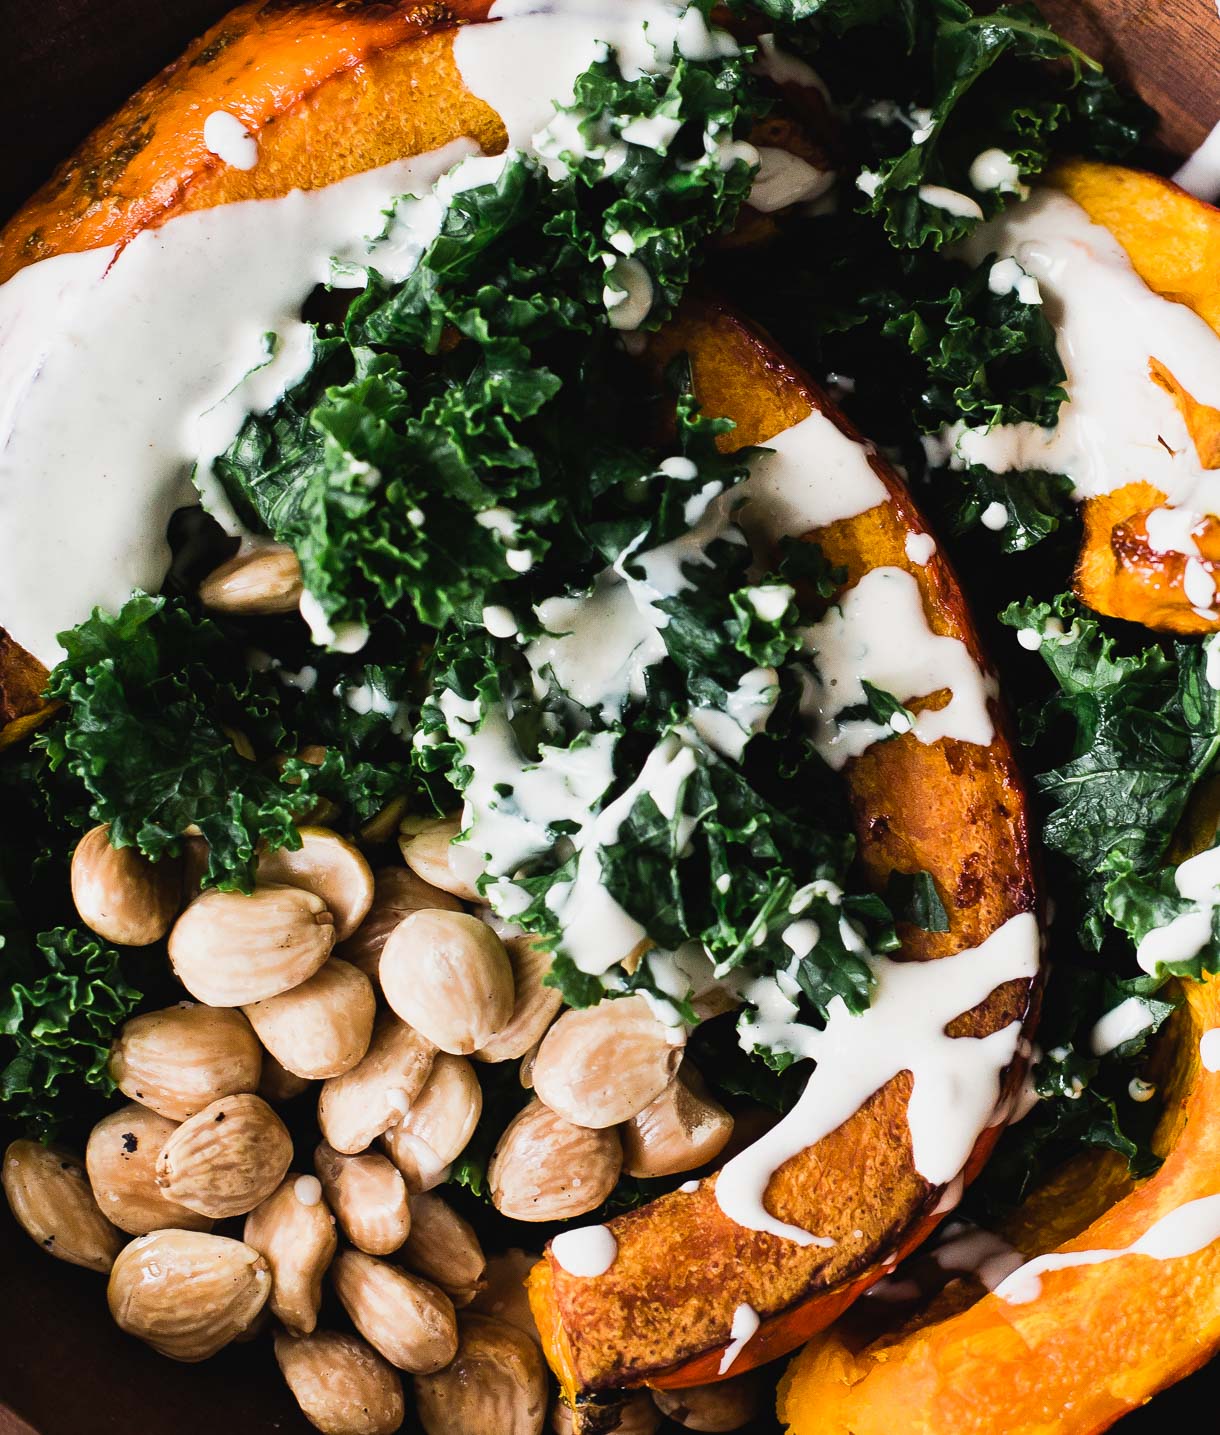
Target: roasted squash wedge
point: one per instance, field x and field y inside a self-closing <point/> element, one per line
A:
<point x="1173" y="242"/>
<point x="661" y="1314"/>
<point x="1097" y="1342"/>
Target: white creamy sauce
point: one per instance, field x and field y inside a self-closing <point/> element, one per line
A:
<point x="229" y="140"/>
<point x="1209" y="1049"/>
<point x="956" y="1080"/>
<point x="1192" y="1227"/>
<point x="1120" y="1024"/>
<point x="307" y="1190"/>
<point x="879" y="634"/>
<point x="812" y="475"/>
<point x="952" y="201"/>
<point x="1118" y="426"/>
<point x="585" y="1251"/>
<point x="995" y="169"/>
<point x="628" y="294"/>
<point x="919" y="548"/>
<point x="741" y="1332"/>
<point x="1198" y="882"/>
<point x="969" y="1250"/>
<point x="1007" y="277"/>
<point x="784" y="178"/>
<point x="1200" y="175"/>
<point x="115" y="375"/>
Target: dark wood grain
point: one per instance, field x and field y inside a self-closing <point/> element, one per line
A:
<point x="1168" y="51"/>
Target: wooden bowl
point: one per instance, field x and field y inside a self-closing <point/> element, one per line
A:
<point x="65" y="1368"/>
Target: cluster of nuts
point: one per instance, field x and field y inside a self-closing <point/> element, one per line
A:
<point x="380" y="991"/>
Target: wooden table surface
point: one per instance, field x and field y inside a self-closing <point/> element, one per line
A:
<point x="64" y="65"/>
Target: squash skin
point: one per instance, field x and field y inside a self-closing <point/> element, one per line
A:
<point x="1098" y="1342"/>
<point x="1173" y="242"/>
<point x="660" y="1314"/>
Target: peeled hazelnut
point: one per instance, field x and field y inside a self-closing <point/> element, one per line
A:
<point x="329" y="866"/>
<point x="724" y="1405"/>
<point x="120" y="894"/>
<point x="604" y="1064"/>
<point x="294" y="1231"/>
<point x="368" y="1196"/>
<point x="407" y="1319"/>
<point x="448" y="975"/>
<point x="397" y="892"/>
<point x="50" y="1198"/>
<point x="438" y="1124"/>
<point x="265" y="579"/>
<point x="427" y="848"/>
<point x="535" y="1006"/>
<point x="682" y="1129"/>
<point x="496" y="1382"/>
<point x="321" y="1028"/>
<point x="181" y="1059"/>
<point x="355" y="1108"/>
<point x="443" y="1248"/>
<point x="546" y="1169"/>
<point x="504" y="1294"/>
<point x="187" y="1293"/>
<point x="341" y="1384"/>
<point x="228" y="1158"/>
<point x="121" y="1159"/>
<point x="229" y="949"/>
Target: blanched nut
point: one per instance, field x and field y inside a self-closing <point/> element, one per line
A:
<point x="321" y="1028"/>
<point x="49" y="1196"/>
<point x="277" y="1084"/>
<point x="367" y="1195"/>
<point x="181" y="1059"/>
<point x="448" y="975"/>
<point x="121" y="1159"/>
<point x="504" y="1295"/>
<point x="636" y="1416"/>
<point x="535" y="1006"/>
<point x="443" y="1248"/>
<point x="426" y="847"/>
<point x="187" y="1293"/>
<point x="602" y="1065"/>
<point x="120" y="894"/>
<point x="341" y="1384"/>
<point x="496" y="1382"/>
<point x="266" y="579"/>
<point x="229" y="949"/>
<point x="397" y="892"/>
<point x="294" y="1231"/>
<point x="355" y="1108"/>
<point x="682" y="1129"/>
<point x="406" y="1318"/>
<point x="546" y="1169"/>
<point x="228" y="1158"/>
<point x="329" y="866"/>
<point x="439" y="1123"/>
<point x="723" y="1405"/>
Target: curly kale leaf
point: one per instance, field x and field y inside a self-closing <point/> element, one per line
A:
<point x="63" y="996"/>
<point x="1140" y="731"/>
<point x="166" y="727"/>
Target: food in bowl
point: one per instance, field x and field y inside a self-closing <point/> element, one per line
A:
<point x="481" y="718"/>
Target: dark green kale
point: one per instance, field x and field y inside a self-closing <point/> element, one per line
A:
<point x="441" y="445"/>
<point x="62" y="997"/>
<point x="166" y="726"/>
